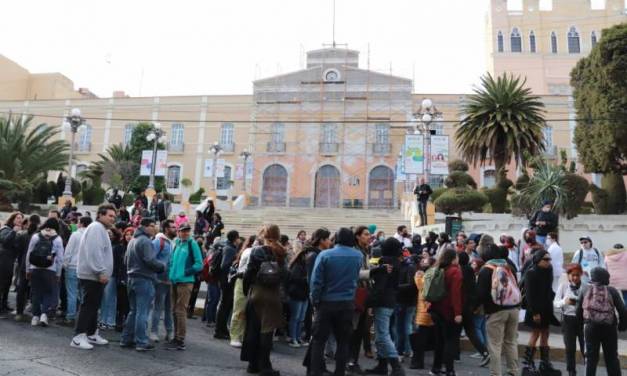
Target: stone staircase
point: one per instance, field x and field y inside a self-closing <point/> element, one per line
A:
<point x="292" y="220"/>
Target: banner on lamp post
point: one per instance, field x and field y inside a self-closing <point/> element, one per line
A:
<point x="413" y="154"/>
<point x="208" y="168"/>
<point x="220" y="168"/>
<point x="439" y="155"/>
<point x="146" y="163"/>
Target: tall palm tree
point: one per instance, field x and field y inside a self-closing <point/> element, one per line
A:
<point x="28" y="153"/>
<point x="116" y="168"/>
<point x="501" y="121"/>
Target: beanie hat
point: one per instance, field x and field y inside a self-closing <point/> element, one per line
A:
<point x="391" y="247"/>
<point x="600" y="276"/>
<point x="372" y="229"/>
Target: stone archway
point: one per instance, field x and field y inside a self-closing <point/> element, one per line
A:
<point x="274" y="188"/>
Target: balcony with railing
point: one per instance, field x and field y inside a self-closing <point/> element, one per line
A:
<point x="82" y="147"/>
<point x="381" y="149"/>
<point x="329" y="147"/>
<point x="176" y="148"/>
<point x="228" y="148"/>
<point x="276" y="147"/>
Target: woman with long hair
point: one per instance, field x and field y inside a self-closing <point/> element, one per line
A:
<point x="8" y="254"/>
<point x="238" y="318"/>
<point x="23" y="286"/>
<point x="121" y="280"/>
<point x="447" y="314"/>
<point x="262" y="280"/>
<point x="298" y="294"/>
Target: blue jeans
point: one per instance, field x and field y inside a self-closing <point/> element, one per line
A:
<point x="44" y="290"/>
<point x="141" y="292"/>
<point x="163" y="303"/>
<point x="71" y="288"/>
<point x="383" y="341"/>
<point x="480" y="322"/>
<point x="211" y="305"/>
<point x="108" y="307"/>
<point x="404" y="327"/>
<point x="298" y="308"/>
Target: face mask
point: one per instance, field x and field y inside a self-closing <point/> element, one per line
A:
<point x="381" y="238"/>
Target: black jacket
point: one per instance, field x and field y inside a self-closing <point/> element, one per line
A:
<point x="257" y="256"/>
<point x="618" y="304"/>
<point x="119" y="269"/>
<point x="8" y="246"/>
<point x="407" y="290"/>
<point x="551" y="222"/>
<point x="539" y="295"/>
<point x="297" y="282"/>
<point x="385" y="285"/>
<point x="311" y="253"/>
<point x="469" y="290"/>
<point x="423" y="197"/>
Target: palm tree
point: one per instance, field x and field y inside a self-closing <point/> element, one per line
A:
<point x="501" y="121"/>
<point x="28" y="153"/>
<point x="116" y="168"/>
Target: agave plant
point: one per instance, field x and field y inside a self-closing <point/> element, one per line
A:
<point x="547" y="183"/>
<point x="116" y="168"/>
<point x="28" y="153"/>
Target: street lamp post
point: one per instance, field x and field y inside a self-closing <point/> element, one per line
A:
<point x="156" y="135"/>
<point x="245" y="154"/>
<point x="427" y="113"/>
<point x="75" y="121"/>
<point x="216" y="149"/>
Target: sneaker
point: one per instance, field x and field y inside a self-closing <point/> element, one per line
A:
<point x="154" y="337"/>
<point x="80" y="342"/>
<point x="303" y="343"/>
<point x="96" y="339"/>
<point x="354" y="369"/>
<point x="43" y="320"/>
<point x="181" y="346"/>
<point x="172" y="345"/>
<point x="294" y="344"/>
<point x="476" y="356"/>
<point x="485" y="360"/>
<point x="148" y="347"/>
<point x="235" y="343"/>
<point x="34" y="321"/>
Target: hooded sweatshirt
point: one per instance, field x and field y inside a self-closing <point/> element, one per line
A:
<point x="95" y="254"/>
<point x="70" y="257"/>
<point x="57" y="251"/>
<point x="162" y="246"/>
<point x="183" y="265"/>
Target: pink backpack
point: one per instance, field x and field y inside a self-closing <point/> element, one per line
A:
<point x="505" y="291"/>
<point x="598" y="305"/>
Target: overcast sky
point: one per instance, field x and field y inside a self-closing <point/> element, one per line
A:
<point x="219" y="47"/>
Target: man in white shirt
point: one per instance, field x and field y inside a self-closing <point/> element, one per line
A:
<point x="402" y="235"/>
<point x="557" y="258"/>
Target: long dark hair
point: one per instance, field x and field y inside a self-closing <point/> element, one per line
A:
<point x="446" y="258"/>
<point x="248" y="243"/>
<point x="33" y="223"/>
<point x="318" y="236"/>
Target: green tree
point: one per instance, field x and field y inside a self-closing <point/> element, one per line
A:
<point x="600" y="91"/>
<point x="500" y="122"/>
<point x="116" y="168"/>
<point x="138" y="144"/>
<point x="28" y="152"/>
<point x="460" y="194"/>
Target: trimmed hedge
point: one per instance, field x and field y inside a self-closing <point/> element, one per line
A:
<point x="458" y="200"/>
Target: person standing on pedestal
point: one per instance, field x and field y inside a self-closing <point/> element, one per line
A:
<point x="422" y="192"/>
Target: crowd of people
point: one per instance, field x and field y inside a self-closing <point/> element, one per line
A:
<point x="335" y="293"/>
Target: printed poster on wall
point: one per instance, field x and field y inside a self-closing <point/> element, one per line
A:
<point x="208" y="168"/>
<point x="220" y="168"/>
<point x="413" y="154"/>
<point x="146" y="163"/>
<point x="439" y="155"/>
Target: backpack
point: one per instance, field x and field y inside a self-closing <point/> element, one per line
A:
<point x="42" y="256"/>
<point x="434" y="288"/>
<point x="504" y="289"/>
<point x="580" y="259"/>
<point x="269" y="274"/>
<point x="598" y="305"/>
<point x="211" y="266"/>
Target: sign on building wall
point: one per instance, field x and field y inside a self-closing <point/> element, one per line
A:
<point x="220" y="168"/>
<point x="207" y="171"/>
<point x="414" y="154"/>
<point x="439" y="155"/>
<point x="146" y="163"/>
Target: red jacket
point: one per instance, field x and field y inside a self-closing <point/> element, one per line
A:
<point x="451" y="306"/>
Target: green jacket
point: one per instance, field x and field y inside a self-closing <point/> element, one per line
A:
<point x="183" y="266"/>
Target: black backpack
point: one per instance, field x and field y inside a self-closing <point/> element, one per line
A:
<point x="269" y="274"/>
<point x="42" y="256"/>
<point x="215" y="266"/>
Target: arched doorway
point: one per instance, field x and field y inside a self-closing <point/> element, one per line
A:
<point x="327" y="187"/>
<point x="381" y="187"/>
<point x="274" y="189"/>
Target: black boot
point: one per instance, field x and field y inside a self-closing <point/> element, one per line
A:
<point x="528" y="364"/>
<point x="380" y="369"/>
<point x="546" y="368"/>
<point x="397" y="369"/>
<point x="418" y="356"/>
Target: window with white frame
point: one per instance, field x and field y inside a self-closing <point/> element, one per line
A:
<point x="173" y="179"/>
<point x="225" y="181"/>
<point x="382" y="134"/>
<point x="329" y="134"/>
<point x="499" y="41"/>
<point x="84" y="138"/>
<point x="532" y="42"/>
<point x="177" y="135"/>
<point x="128" y="133"/>
<point x="489" y="178"/>
<point x="548" y="136"/>
<point x="593" y="39"/>
<point x="515" y="40"/>
<point x="226" y="134"/>
<point x="278" y="133"/>
<point x="574" y="45"/>
<point x="553" y="42"/>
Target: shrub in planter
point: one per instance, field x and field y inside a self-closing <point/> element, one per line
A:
<point x="437" y="192"/>
<point x="576" y="189"/>
<point x="458" y="179"/>
<point x="458" y="165"/>
<point x="458" y="200"/>
<point x="195" y="197"/>
<point x="614" y="185"/>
